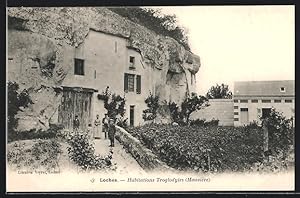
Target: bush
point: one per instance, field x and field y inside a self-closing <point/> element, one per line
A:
<point x="113" y="103"/>
<point x="280" y="131"/>
<point x="152" y="103"/>
<point x="188" y="106"/>
<point x="204" y="123"/>
<point x="121" y="122"/>
<point x="82" y="153"/>
<point x="53" y="132"/>
<point x="52" y="148"/>
<point x="16" y="100"/>
<point x="36" y="154"/>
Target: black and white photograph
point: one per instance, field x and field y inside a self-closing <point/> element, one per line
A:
<point x="150" y="98"/>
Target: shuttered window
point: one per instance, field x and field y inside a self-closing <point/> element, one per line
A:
<point x="130" y="82"/>
<point x="138" y="84"/>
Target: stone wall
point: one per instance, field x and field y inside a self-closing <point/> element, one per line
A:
<point x="220" y="109"/>
<point x="147" y="160"/>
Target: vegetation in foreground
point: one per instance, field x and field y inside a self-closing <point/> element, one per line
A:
<point x="212" y="148"/>
<point x="82" y="152"/>
<point x="31" y="155"/>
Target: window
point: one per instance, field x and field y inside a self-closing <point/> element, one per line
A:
<point x="254" y="101"/>
<point x="79" y="67"/>
<point x="266" y="101"/>
<point x="128" y="82"/>
<point x="282" y="89"/>
<point x="95" y="74"/>
<point x="277" y="101"/>
<point x="235" y="100"/>
<point x="131" y="62"/>
<point x="236" y="107"/>
<point x="288" y="101"/>
<point x="236" y="113"/>
<point x="236" y="119"/>
<point x="138" y="84"/>
<point x="244" y="101"/>
<point x="244" y="109"/>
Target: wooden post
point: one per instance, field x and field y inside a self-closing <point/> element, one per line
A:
<point x="266" y="136"/>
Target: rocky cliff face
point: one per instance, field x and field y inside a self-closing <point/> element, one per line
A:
<point x="41" y="41"/>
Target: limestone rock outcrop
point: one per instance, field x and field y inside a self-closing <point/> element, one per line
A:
<point x="38" y="39"/>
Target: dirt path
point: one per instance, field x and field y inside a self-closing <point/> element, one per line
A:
<point x="126" y="164"/>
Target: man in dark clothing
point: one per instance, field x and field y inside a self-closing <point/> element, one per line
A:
<point x="76" y="124"/>
<point x="111" y="132"/>
<point x="105" y="125"/>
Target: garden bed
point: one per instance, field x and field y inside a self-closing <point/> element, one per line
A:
<point x="36" y="154"/>
<point x="211" y="148"/>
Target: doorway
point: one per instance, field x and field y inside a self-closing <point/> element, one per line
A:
<point x="266" y="112"/>
<point x="244" y="116"/>
<point x="131" y="115"/>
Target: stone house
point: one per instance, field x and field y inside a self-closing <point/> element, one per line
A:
<point x="106" y="60"/>
<point x="253" y="99"/>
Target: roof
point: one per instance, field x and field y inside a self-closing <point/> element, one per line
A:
<point x="264" y="88"/>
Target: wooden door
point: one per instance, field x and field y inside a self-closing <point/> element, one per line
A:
<point x="131" y="115"/>
<point x="244" y="116"/>
<point x="75" y="103"/>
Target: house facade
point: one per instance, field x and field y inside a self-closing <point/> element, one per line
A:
<point x="107" y="60"/>
<point x="254" y="99"/>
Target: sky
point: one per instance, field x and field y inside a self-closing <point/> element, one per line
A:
<point x="239" y="43"/>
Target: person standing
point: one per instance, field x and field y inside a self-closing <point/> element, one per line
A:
<point x="111" y="132"/>
<point x="90" y="132"/>
<point x="105" y="125"/>
<point x="76" y="124"/>
<point x="97" y="124"/>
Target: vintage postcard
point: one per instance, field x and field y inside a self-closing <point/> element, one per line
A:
<point x="185" y="98"/>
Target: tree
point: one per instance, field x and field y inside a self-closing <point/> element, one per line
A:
<point x="152" y="103"/>
<point x="16" y="100"/>
<point x="188" y="106"/>
<point x="114" y="104"/>
<point x="218" y="92"/>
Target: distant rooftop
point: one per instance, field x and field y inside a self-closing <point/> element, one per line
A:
<point x="264" y="88"/>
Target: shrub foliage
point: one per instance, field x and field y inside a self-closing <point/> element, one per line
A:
<point x="42" y="155"/>
<point x="16" y="99"/>
<point x="114" y="104"/>
<point x="280" y="131"/>
<point x="82" y="153"/>
<point x="181" y="114"/>
<point x="154" y="19"/>
<point x="218" y="92"/>
<point x="152" y="103"/>
<point x="206" y="148"/>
